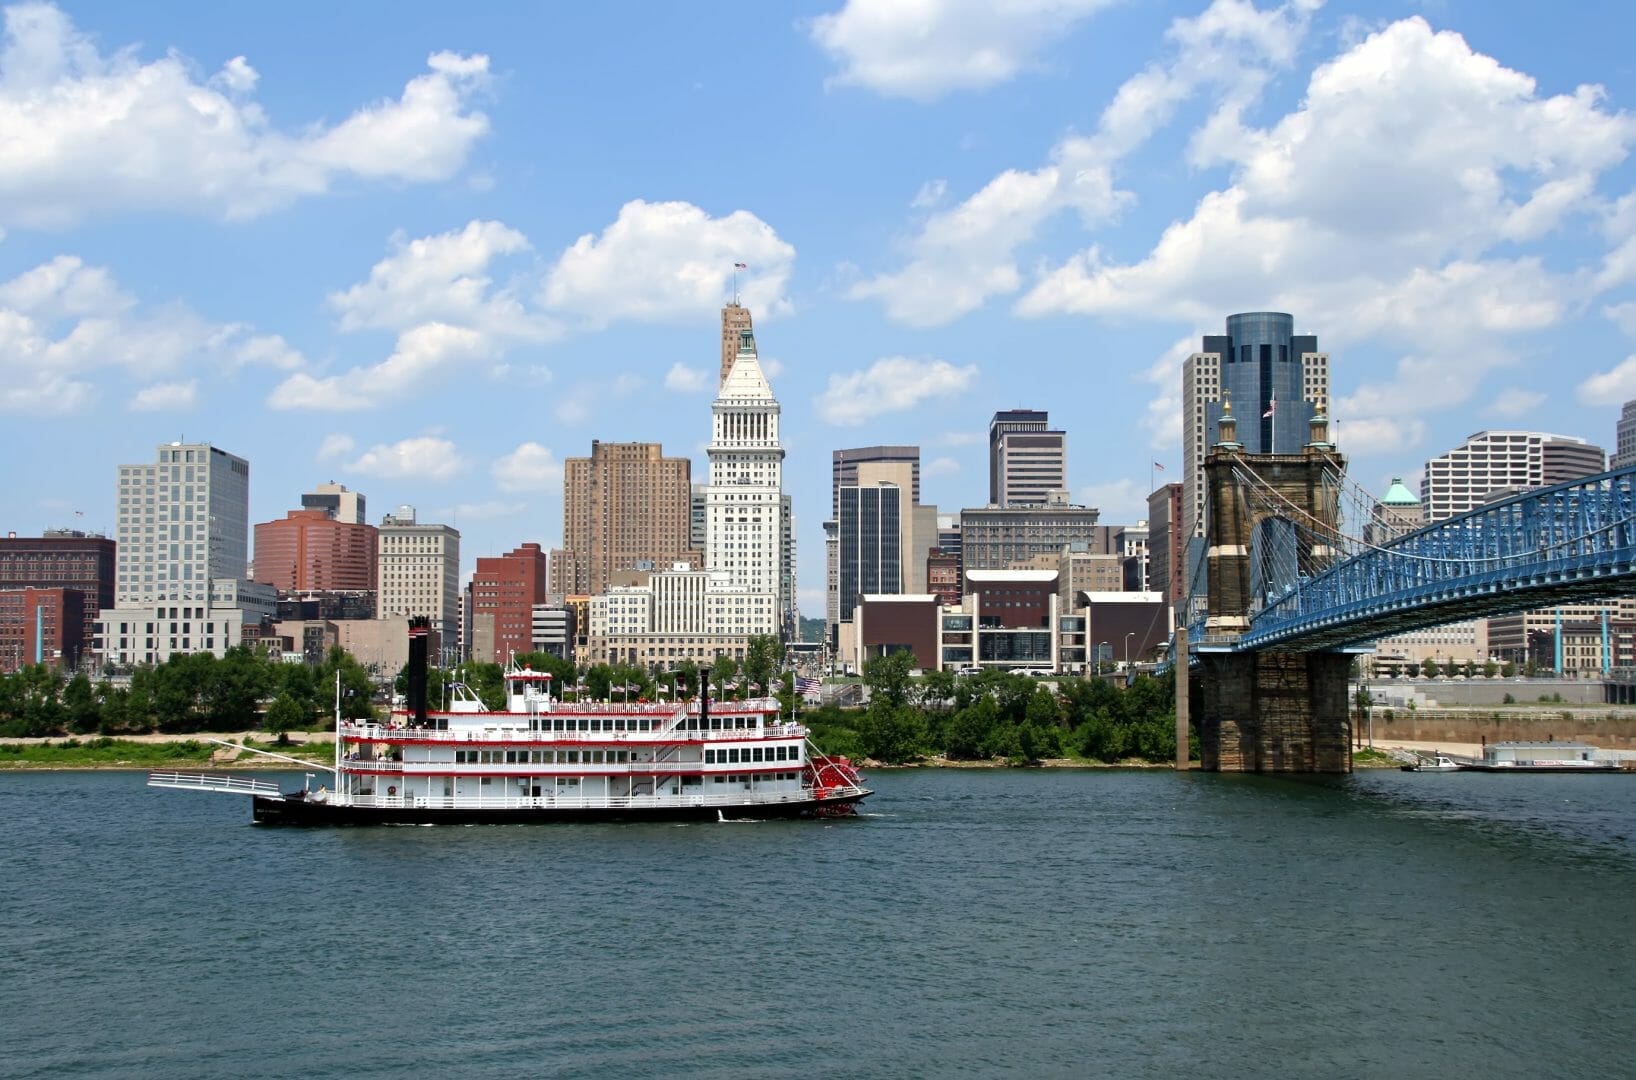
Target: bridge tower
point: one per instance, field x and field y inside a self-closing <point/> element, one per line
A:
<point x="1269" y="710"/>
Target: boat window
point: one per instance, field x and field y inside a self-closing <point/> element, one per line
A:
<point x="732" y="757"/>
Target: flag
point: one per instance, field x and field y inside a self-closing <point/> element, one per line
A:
<point x="1159" y="466"/>
<point x="1272" y="408"/>
<point x="740" y="266"/>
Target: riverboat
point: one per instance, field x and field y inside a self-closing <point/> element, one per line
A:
<point x="545" y="760"/>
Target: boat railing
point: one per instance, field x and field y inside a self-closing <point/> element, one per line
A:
<point x="496" y="733"/>
<point x="222" y="782"/>
<point x="581" y="802"/>
<point x="681" y="767"/>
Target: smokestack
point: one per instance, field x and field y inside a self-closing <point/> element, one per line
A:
<point x="419" y="630"/>
<point x="704" y="703"/>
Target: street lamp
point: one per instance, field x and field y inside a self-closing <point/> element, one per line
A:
<point x="1099" y="647"/>
<point x="1127" y="653"/>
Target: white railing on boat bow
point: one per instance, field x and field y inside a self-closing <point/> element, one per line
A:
<point x="232" y="785"/>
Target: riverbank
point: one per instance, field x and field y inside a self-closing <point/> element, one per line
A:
<point x="143" y="752"/>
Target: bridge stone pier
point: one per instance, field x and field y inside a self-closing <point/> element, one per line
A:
<point x="1267" y="711"/>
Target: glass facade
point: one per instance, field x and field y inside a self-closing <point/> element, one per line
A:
<point x="1260" y="365"/>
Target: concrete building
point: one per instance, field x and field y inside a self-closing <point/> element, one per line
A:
<point x="336" y="501"/>
<point x="419" y="572"/>
<point x="1274" y="378"/>
<point x="1624" y="443"/>
<point x="870" y="551"/>
<point x="1130" y="544"/>
<point x="662" y="618"/>
<point x="997" y="538"/>
<point x="62" y="559"/>
<point x="504" y="592"/>
<point x="554" y="629"/>
<point x="1492" y="464"/>
<point x="1027" y="460"/>
<point x="182" y="522"/>
<point x="182" y="559"/>
<point x="623" y="505"/>
<point x="310" y="550"/>
<point x="746" y="534"/>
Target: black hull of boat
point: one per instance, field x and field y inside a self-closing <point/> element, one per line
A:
<point x="299" y="811"/>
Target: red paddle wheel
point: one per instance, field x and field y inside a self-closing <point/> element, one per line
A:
<point x="829" y="777"/>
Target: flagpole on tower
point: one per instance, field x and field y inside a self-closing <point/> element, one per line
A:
<point x="736" y="268"/>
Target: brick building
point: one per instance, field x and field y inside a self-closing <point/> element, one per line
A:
<point x="42" y="626"/>
<point x="313" y="551"/>
<point x="504" y="591"/>
<point x="62" y="559"/>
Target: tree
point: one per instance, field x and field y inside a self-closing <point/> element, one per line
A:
<point x="357" y="688"/>
<point x="1363" y="700"/>
<point x="721" y="672"/>
<point x="283" y="714"/>
<point x="1508" y="670"/>
<point x="81" y="714"/>
<point x="761" y="656"/>
<point x="1428" y="667"/>
<point x="1489" y="669"/>
<point x="887" y="677"/>
<point x="892" y="733"/>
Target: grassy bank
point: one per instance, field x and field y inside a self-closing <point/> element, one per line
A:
<point x="106" y="753"/>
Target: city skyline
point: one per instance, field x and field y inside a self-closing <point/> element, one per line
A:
<point x="440" y="321"/>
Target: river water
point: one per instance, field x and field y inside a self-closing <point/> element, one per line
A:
<point x="975" y="922"/>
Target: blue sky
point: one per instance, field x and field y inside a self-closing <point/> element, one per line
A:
<point x="429" y="252"/>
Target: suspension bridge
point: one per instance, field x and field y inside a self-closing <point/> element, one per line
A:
<point x="1304" y="568"/>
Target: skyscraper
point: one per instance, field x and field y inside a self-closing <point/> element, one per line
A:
<point x="182" y="521"/>
<point x="182" y="557"/>
<point x="1491" y="463"/>
<point x="843" y="468"/>
<point x="744" y="502"/>
<point x="625" y="505"/>
<point x="1027" y="460"/>
<point x="1274" y="377"/>
<point x="871" y="542"/>
<point x="309" y="550"/>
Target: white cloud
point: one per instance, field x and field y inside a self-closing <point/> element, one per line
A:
<point x="940" y="466"/>
<point x="1417" y="158"/>
<point x="268" y="350"/>
<point x="479" y="511"/>
<point x="89" y="133"/>
<point x="963" y="256"/>
<point x="670" y="260"/>
<point x="1378" y="434"/>
<point x="1623" y="316"/>
<point x="426" y="458"/>
<point x="443" y="278"/>
<point x="890" y="384"/>
<point x="422" y="353"/>
<point x="926" y="49"/>
<point x="961" y="438"/>
<point x="166" y="397"/>
<point x="530" y="467"/>
<point x="1513" y="402"/>
<point x="1611" y="387"/>
<point x="335" y="445"/>
<point x="686" y="380"/>
<point x="930" y="195"/>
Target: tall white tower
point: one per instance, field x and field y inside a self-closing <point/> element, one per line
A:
<point x="744" y="504"/>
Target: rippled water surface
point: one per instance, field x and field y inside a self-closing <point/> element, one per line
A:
<point x="1060" y="923"/>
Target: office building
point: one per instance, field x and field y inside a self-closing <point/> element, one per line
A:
<point x="1493" y="464"/>
<point x="311" y="551"/>
<point x="871" y="531"/>
<point x="745" y="534"/>
<point x="658" y="619"/>
<point x="1166" y="543"/>
<point x="42" y="626"/>
<point x="623" y="506"/>
<point x="1000" y="538"/>
<point x="1027" y="460"/>
<point x="182" y="558"/>
<point x="419" y="572"/>
<point x="1274" y="378"/>
<point x="844" y="465"/>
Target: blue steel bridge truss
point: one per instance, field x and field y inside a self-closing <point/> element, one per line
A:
<point x="1538" y="549"/>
